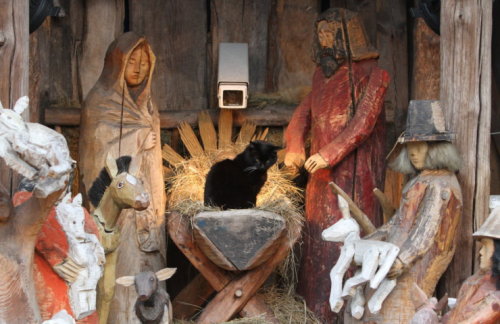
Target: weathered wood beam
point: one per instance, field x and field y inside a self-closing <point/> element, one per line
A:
<point x="14" y="52"/>
<point x="466" y="100"/>
<point x="276" y="115"/>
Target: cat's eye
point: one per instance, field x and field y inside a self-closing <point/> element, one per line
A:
<point x="120" y="185"/>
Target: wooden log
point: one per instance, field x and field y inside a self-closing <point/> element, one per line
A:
<point x="225" y="128"/>
<point x="13" y="64"/>
<point x="273" y="115"/>
<point x="181" y="234"/>
<point x="190" y="299"/>
<point x="466" y="101"/>
<point x="180" y="45"/>
<point x="207" y="131"/>
<point x="235" y="295"/>
<point x="103" y="23"/>
<point x="360" y="217"/>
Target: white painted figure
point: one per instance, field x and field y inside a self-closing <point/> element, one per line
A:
<point x="374" y="257"/>
<point x="85" y="251"/>
<point x="33" y="150"/>
<point x="60" y="318"/>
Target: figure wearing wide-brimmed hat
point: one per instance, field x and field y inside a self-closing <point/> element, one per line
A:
<point x="425" y="225"/>
<point x="478" y="300"/>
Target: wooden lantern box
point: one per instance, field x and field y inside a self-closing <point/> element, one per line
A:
<point x="239" y="240"/>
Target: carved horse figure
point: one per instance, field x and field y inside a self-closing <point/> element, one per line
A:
<point x="369" y="254"/>
<point x="115" y="189"/>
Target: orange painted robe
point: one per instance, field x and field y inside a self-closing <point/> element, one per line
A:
<point x="352" y="141"/>
<point x="478" y="302"/>
<point x="52" y="248"/>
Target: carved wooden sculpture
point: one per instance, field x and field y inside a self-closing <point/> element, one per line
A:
<point x="61" y="317"/>
<point x="20" y="225"/>
<point x="341" y="114"/>
<point x="478" y="300"/>
<point x="119" y="117"/>
<point x="375" y="257"/>
<point x="68" y="261"/>
<point x="114" y="190"/>
<point x="153" y="305"/>
<point x="425" y="225"/>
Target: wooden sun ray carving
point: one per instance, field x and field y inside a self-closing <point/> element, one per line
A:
<point x="209" y="136"/>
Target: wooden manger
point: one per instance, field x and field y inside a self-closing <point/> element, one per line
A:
<point x="235" y="251"/>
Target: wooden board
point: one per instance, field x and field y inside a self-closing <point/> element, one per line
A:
<point x="242" y="238"/>
<point x="177" y="31"/>
<point x="103" y="23"/>
<point x="240" y="22"/>
<point x="290" y="66"/>
<point x="13" y="64"/>
<point x="273" y="115"/>
<point x="466" y="101"/>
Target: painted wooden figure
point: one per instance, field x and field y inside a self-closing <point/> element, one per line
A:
<point x="375" y="258"/>
<point x="61" y="317"/>
<point x="68" y="261"/>
<point x="113" y="190"/>
<point x="425" y="225"/>
<point x="153" y="305"/>
<point x="20" y="225"/>
<point x="119" y="117"/>
<point x="478" y="300"/>
<point x="343" y="115"/>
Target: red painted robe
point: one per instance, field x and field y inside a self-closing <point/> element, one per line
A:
<point x="478" y="302"/>
<point x="52" y="248"/>
<point x="353" y="147"/>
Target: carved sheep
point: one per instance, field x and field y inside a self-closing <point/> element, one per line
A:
<point x="153" y="305"/>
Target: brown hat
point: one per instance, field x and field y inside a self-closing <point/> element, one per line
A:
<point x="490" y="227"/>
<point x="425" y="122"/>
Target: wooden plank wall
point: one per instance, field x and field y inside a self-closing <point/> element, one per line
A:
<point x="14" y="44"/>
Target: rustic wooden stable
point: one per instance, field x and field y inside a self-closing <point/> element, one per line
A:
<point x="57" y="65"/>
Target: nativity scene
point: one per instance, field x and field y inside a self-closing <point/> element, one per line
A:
<point x="249" y="162"/>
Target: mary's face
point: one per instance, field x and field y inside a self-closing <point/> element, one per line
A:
<point x="485" y="254"/>
<point x="137" y="68"/>
<point x="417" y="152"/>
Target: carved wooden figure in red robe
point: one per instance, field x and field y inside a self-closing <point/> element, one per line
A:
<point x="66" y="271"/>
<point x="343" y="116"/>
<point x="478" y="301"/>
<point x="425" y="225"/>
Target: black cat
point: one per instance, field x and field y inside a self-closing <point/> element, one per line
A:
<point x="234" y="184"/>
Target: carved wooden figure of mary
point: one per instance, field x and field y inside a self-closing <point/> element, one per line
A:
<point x="119" y="117"/>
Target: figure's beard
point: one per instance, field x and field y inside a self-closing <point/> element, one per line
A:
<point x="330" y="60"/>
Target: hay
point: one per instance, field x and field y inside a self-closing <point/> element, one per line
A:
<point x="287" y="308"/>
<point x="186" y="187"/>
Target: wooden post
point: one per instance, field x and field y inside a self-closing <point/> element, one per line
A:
<point x="14" y="53"/>
<point x="466" y="101"/>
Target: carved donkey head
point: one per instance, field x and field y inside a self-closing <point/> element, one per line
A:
<point x="146" y="282"/>
<point x="125" y="188"/>
<point x="343" y="227"/>
<point x="12" y="118"/>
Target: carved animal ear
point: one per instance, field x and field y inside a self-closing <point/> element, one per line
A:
<point x="77" y="200"/>
<point x="111" y="166"/>
<point x="21" y="105"/>
<point x="165" y="273"/>
<point x="126" y="281"/>
<point x="67" y="198"/>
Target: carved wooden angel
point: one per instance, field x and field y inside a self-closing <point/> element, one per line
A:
<point x="33" y="150"/>
<point x="374" y="257"/>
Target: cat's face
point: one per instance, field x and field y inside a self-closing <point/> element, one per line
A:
<point x="260" y="155"/>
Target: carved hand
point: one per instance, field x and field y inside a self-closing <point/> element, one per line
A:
<point x="294" y="160"/>
<point x="396" y="270"/>
<point x="150" y="141"/>
<point x="68" y="270"/>
<point x="315" y="162"/>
